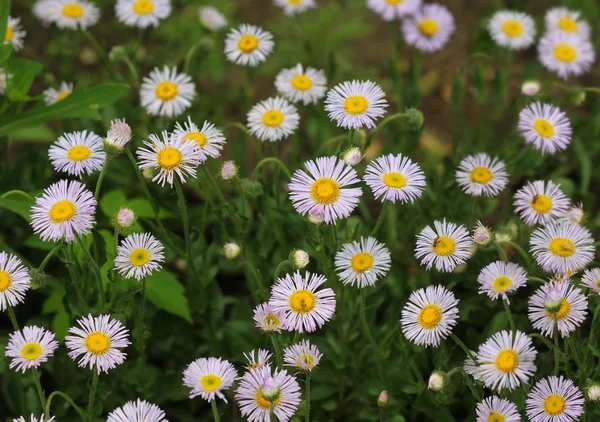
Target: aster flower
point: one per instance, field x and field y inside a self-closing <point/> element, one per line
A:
<point x="356" y="104"/>
<point x="568" y="21"/>
<point x="554" y="399"/>
<point x="209" y="377"/>
<point x="14" y="281"/>
<point x="395" y="178"/>
<point x="257" y="359"/>
<point x="30" y="347"/>
<point x="14" y="33"/>
<point x="268" y="319"/>
<point x="139" y="255"/>
<point x="47" y="10"/>
<point x="298" y="84"/>
<point x="362" y="263"/>
<point x="33" y="418"/>
<point x="591" y="279"/>
<point x="75" y="14"/>
<point x="545" y="127"/>
<point x="249" y="45"/>
<point x="77" y="153"/>
<point x="445" y="247"/>
<point x="142" y="13"/>
<point x="497" y="409"/>
<point x="481" y="175"/>
<point x="430" y="28"/>
<point x="394" y="9"/>
<point x="137" y="411"/>
<point x="52" y="96"/>
<point x="499" y="278"/>
<point x="566" y="54"/>
<point x="209" y="139"/>
<point x="166" y="92"/>
<point x="540" y="202"/>
<point x="273" y="119"/>
<point x="514" y="30"/>
<point x="293" y="7"/>
<point x="303" y="356"/>
<point x="562" y="247"/>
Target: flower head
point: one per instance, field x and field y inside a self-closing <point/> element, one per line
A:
<point x="445" y="247"/>
<point x="430" y="28"/>
<point x="30" y="347"/>
<point x="514" y="30"/>
<point x="52" y="96"/>
<point x="495" y="409"/>
<point x="299" y="258"/>
<point x="554" y="399"/>
<point x="139" y="255"/>
<point x="14" y="33"/>
<point x="362" y="262"/>
<point x="481" y="175"/>
<point x="299" y="84"/>
<point x="395" y="178"/>
<point x="303" y="356"/>
<point x="530" y="88"/>
<point x="142" y="13"/>
<point x="211" y="18"/>
<point x="229" y="171"/>
<point x="394" y="9"/>
<point x="248" y="45"/>
<point x="591" y="279"/>
<point x="166" y="92"/>
<point x="137" y="411"/>
<point x="33" y="418"/>
<point x="77" y="153"/>
<point x="482" y="235"/>
<point x="499" y="278"/>
<point x="125" y="218"/>
<point x="567" y="21"/>
<point x="75" y="14"/>
<point x="356" y="104"/>
<point x="566" y="54"/>
<point x="293" y="7"/>
<point x="540" y="202"/>
<point x="119" y="134"/>
<point x="209" y="139"/>
<point x="562" y="247"/>
<point x="273" y="119"/>
<point x="14" y="281"/>
<point x="352" y="156"/>
<point x="268" y="319"/>
<point x="257" y="359"/>
<point x="438" y="380"/>
<point x="545" y="127"/>
<point x="209" y="377"/>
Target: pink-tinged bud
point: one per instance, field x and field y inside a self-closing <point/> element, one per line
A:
<point x="118" y="135"/>
<point x="482" y="235"/>
<point x="316" y="216"/>
<point x="382" y="400"/>
<point x="125" y="218"/>
<point x="530" y="88"/>
<point x="352" y="156"/>
<point x="553" y="300"/>
<point x="229" y="170"/>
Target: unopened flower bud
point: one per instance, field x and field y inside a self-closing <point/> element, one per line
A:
<point x="124" y="218"/>
<point x="269" y="390"/>
<point x="299" y="259"/>
<point x="382" y="400"/>
<point x="229" y="170"/>
<point x="482" y="235"/>
<point x="316" y="216"/>
<point x="414" y="119"/>
<point x="232" y="250"/>
<point x="211" y="18"/>
<point x="252" y="188"/>
<point x="352" y="156"/>
<point x="437" y="381"/>
<point x="117" y="53"/>
<point x="575" y="214"/>
<point x="148" y="173"/>
<point x="118" y="137"/>
<point x="530" y="88"/>
<point x="580" y="98"/>
<point x="593" y="392"/>
<point x="553" y="300"/>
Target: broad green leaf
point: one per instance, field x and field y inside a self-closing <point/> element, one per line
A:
<point x="167" y="293"/>
<point x="41" y="133"/>
<point x="5" y="52"/>
<point x="17" y="201"/>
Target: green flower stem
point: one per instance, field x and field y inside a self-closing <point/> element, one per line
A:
<point x="520" y="250"/>
<point x="280" y="267"/>
<point x="464" y="347"/>
<point x="140" y="325"/>
<point x="12" y="317"/>
<point x="36" y="379"/>
<point x="186" y="225"/>
<point x="48" y="256"/>
<point x="92" y="397"/>
<point x="101" y="177"/>
<point x="70" y="259"/>
<point x="273" y="160"/>
<point x="92" y="39"/>
<point x="277" y="349"/>
<point x="115" y="274"/>
<point x="132" y="69"/>
<point x="501" y="252"/>
<point x="539" y="280"/>
<point x="215" y="411"/>
<point x="69" y="400"/>
<point x="242" y="195"/>
<point x="331" y="141"/>
<point x="591" y="336"/>
<point x="216" y="187"/>
<point x="307" y="397"/>
<point x="383" y="123"/>
<point x="96" y="270"/>
<point x="511" y="320"/>
<point x="380" y="218"/>
<point x="367" y="332"/>
<point x="471" y="212"/>
<point x="556" y="349"/>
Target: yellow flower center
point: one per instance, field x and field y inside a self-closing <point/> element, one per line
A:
<point x="481" y="175"/>
<point x="62" y="211"/>
<point x="166" y="90"/>
<point x="264" y="403"/>
<point x="303" y="301"/>
<point x="62" y="95"/>
<point x="444" y="246"/>
<point x="394" y="180"/>
<point x="301" y="82"/>
<point x="5" y="280"/>
<point x="430" y="316"/>
<point x="362" y="262"/>
<point x="211" y="382"/>
<point x="197" y="137"/>
<point x="512" y="28"/>
<point x="308" y="360"/>
<point x="31" y="351"/>
<point x="139" y="257"/>
<point x="9" y="33"/>
<point x="73" y="10"/>
<point x="248" y="43"/>
<point x="428" y="27"/>
<point x="169" y="158"/>
<point x="325" y="190"/>
<point x="544" y="128"/>
<point x="143" y="7"/>
<point x="356" y="104"/>
<point x="496" y="417"/>
<point x="98" y="343"/>
<point x="507" y="361"/>
<point x="565" y="53"/>
<point x="295" y="2"/>
<point x="554" y="404"/>
<point x="541" y="204"/>
<point x="502" y="283"/>
<point x="565" y="308"/>
<point x="562" y="247"/>
<point x="567" y="24"/>
<point x="273" y="118"/>
<point x="272" y="320"/>
<point x="79" y="153"/>
<point x="394" y="1"/>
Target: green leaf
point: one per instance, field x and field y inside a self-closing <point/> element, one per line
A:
<point x="17" y="201"/>
<point x="5" y="52"/>
<point x="41" y="133"/>
<point x="167" y="293"/>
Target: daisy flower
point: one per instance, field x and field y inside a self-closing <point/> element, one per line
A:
<point x="33" y="418"/>
<point x="65" y="209"/>
<point x="545" y="127"/>
<point x="137" y="411"/>
<point x="209" y="377"/>
<point x="568" y="21"/>
<point x="268" y="319"/>
<point x="76" y="14"/>
<point x="78" y="153"/>
<point x="591" y="279"/>
<point x="4" y="77"/>
<point x="30" y="347"/>
<point x="514" y="30"/>
<point x="139" y="255"/>
<point x="429" y="315"/>
<point x="506" y="360"/>
<point x="395" y="178"/>
<point x="570" y="315"/>
<point x="554" y="399"/>
<point x="261" y="388"/>
<point x="562" y="247"/>
<point x="298" y="84"/>
<point x="303" y="356"/>
<point x="430" y="28"/>
<point x="249" y="45"/>
<point x="566" y="53"/>
<point x="495" y="409"/>
<point x="209" y="139"/>
<point x="52" y="96"/>
<point x="292" y="7"/>
<point x="257" y="359"/>
<point x="325" y="189"/>
<point x="499" y="278"/>
<point x="273" y="119"/>
<point x="362" y="263"/>
<point x="211" y="18"/>
<point x="142" y="13"/>
<point x="47" y="10"/>
<point x="14" y="281"/>
<point x="540" y="202"/>
<point x="356" y="104"/>
<point x="471" y="368"/>
<point x="98" y="340"/>
<point x="119" y="134"/>
<point x="445" y="247"/>
<point x="394" y="9"/>
<point x="14" y="33"/>
<point x="166" y="92"/>
<point x="481" y="175"/>
<point x="172" y="156"/>
<point x="305" y="308"/>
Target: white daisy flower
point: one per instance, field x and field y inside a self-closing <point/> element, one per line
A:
<point x="471" y="368"/>
<point x="209" y="377"/>
<point x="301" y="85"/>
<point x="142" y="13"/>
<point x="562" y="247"/>
<point x="76" y="14"/>
<point x="172" y="156"/>
<point x="540" y="202"/>
<point x="100" y="340"/>
<point x="506" y="363"/>
<point x="430" y="28"/>
<point x="211" y="18"/>
<point x="30" y="347"/>
<point x="495" y="409"/>
<point x="499" y="278"/>
<point x="166" y="92"/>
<point x="514" y="30"/>
<point x="47" y="10"/>
<point x="429" y="315"/>
<point x="445" y="247"/>
<point x="292" y="7"/>
<point x="139" y="255"/>
<point x="52" y="96"/>
<point x="305" y="308"/>
<point x="119" y="134"/>
<point x="14" y="281"/>
<point x="249" y="45"/>
<point x="137" y="411"/>
<point x="303" y="356"/>
<point x="566" y="54"/>
<point x="394" y="9"/>
<point x="324" y="189"/>
<point x="78" y="153"/>
<point x="362" y="263"/>
<point x="481" y="175"/>
<point x="591" y="279"/>
<point x="273" y="119"/>
<point x="209" y="139"/>
<point x="395" y="178"/>
<point x="554" y="399"/>
<point x="33" y="418"/>
<point x="257" y="359"/>
<point x="65" y="209"/>
<point x="570" y="315"/>
<point x="545" y="127"/>
<point x="4" y="77"/>
<point x="268" y="319"/>
<point x="356" y="104"/>
<point x="14" y="33"/>
<point x="568" y="21"/>
<point x="261" y="388"/>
